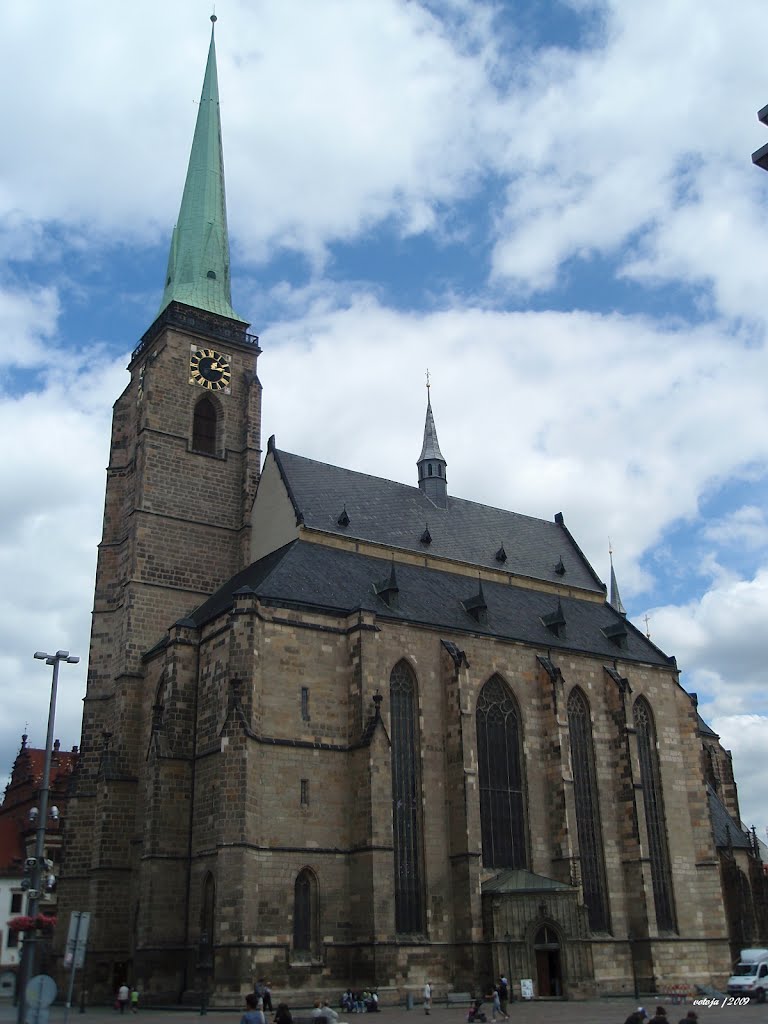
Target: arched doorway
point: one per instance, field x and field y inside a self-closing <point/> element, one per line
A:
<point x="549" y="974"/>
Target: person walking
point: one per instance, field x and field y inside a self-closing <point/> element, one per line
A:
<point x="503" y="988"/>
<point x="134" y="1000"/>
<point x="496" y="1010"/>
<point x="123" y="995"/>
<point x="427" y="997"/>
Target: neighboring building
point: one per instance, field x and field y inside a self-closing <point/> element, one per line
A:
<point x="18" y="827"/>
<point x="340" y="730"/>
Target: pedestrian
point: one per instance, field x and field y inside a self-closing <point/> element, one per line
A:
<point x="254" y="1014"/>
<point x="496" y="1006"/>
<point x="283" y="1014"/>
<point x="503" y="986"/>
<point x="123" y="995"/>
<point x="690" y="1018"/>
<point x="267" y="997"/>
<point x="134" y="1000"/>
<point x="660" y="1017"/>
<point x="638" y="1016"/>
<point x="329" y="1013"/>
<point x="427" y="997"/>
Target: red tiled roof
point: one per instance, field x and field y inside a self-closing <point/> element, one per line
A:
<point x="22" y="793"/>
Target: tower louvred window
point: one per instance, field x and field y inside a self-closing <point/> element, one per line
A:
<point x="204" y="427"/>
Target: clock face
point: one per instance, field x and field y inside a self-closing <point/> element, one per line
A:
<point x="210" y="369"/>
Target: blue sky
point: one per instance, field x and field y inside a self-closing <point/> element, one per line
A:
<point x="550" y="205"/>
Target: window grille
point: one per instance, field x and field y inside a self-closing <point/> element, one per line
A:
<point x="305" y="792"/>
<point x="650" y="777"/>
<point x="305" y="703"/>
<point x="406" y="799"/>
<point x="502" y="800"/>
<point x="587" y="812"/>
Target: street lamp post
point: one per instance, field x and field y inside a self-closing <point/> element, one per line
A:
<point x="27" y="968"/>
<point x="508" y="941"/>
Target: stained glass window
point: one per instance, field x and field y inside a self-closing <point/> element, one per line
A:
<point x="406" y="802"/>
<point x="587" y="812"/>
<point x="499" y="755"/>
<point x="650" y="777"/>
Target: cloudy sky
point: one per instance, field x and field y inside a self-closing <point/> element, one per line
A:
<point x="548" y="203"/>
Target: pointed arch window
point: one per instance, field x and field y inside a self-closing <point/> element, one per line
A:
<point x="205" y="427"/>
<point x="499" y="755"/>
<point x="587" y="811"/>
<point x="305" y="916"/>
<point x="406" y="802"/>
<point x="658" y="849"/>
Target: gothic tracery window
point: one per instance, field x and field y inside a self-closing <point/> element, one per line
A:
<point x="658" y="850"/>
<point x="406" y="802"/>
<point x="499" y="755"/>
<point x="587" y="811"/>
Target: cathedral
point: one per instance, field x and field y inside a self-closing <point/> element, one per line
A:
<point x="345" y="731"/>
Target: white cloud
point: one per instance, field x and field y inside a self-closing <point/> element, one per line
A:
<point x="719" y="643"/>
<point x="27" y="320"/>
<point x="744" y="735"/>
<point x="745" y="527"/>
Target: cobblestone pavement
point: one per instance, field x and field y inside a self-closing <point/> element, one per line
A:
<point x="602" y="1011"/>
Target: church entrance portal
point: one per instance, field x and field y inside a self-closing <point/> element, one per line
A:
<point x="549" y="977"/>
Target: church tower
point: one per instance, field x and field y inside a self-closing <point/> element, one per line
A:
<point x="183" y="469"/>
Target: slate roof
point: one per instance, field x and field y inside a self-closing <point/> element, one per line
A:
<point x="704" y="729"/>
<point x="724" y="827"/>
<point x="313" y="576"/>
<point x="395" y="514"/>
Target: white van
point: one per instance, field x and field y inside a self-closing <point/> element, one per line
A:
<point x="750" y="976"/>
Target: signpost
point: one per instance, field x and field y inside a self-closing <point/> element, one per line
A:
<point x="74" y="953"/>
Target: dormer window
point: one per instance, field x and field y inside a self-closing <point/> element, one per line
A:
<point x="617" y="634"/>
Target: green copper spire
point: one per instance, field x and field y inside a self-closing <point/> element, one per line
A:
<point x="198" y="264"/>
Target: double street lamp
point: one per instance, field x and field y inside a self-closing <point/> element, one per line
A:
<point x="27" y="968"/>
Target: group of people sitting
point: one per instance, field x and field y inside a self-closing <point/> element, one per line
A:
<point x="639" y="1016"/>
<point x="359" y="1002"/>
<point x="351" y="1002"/>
